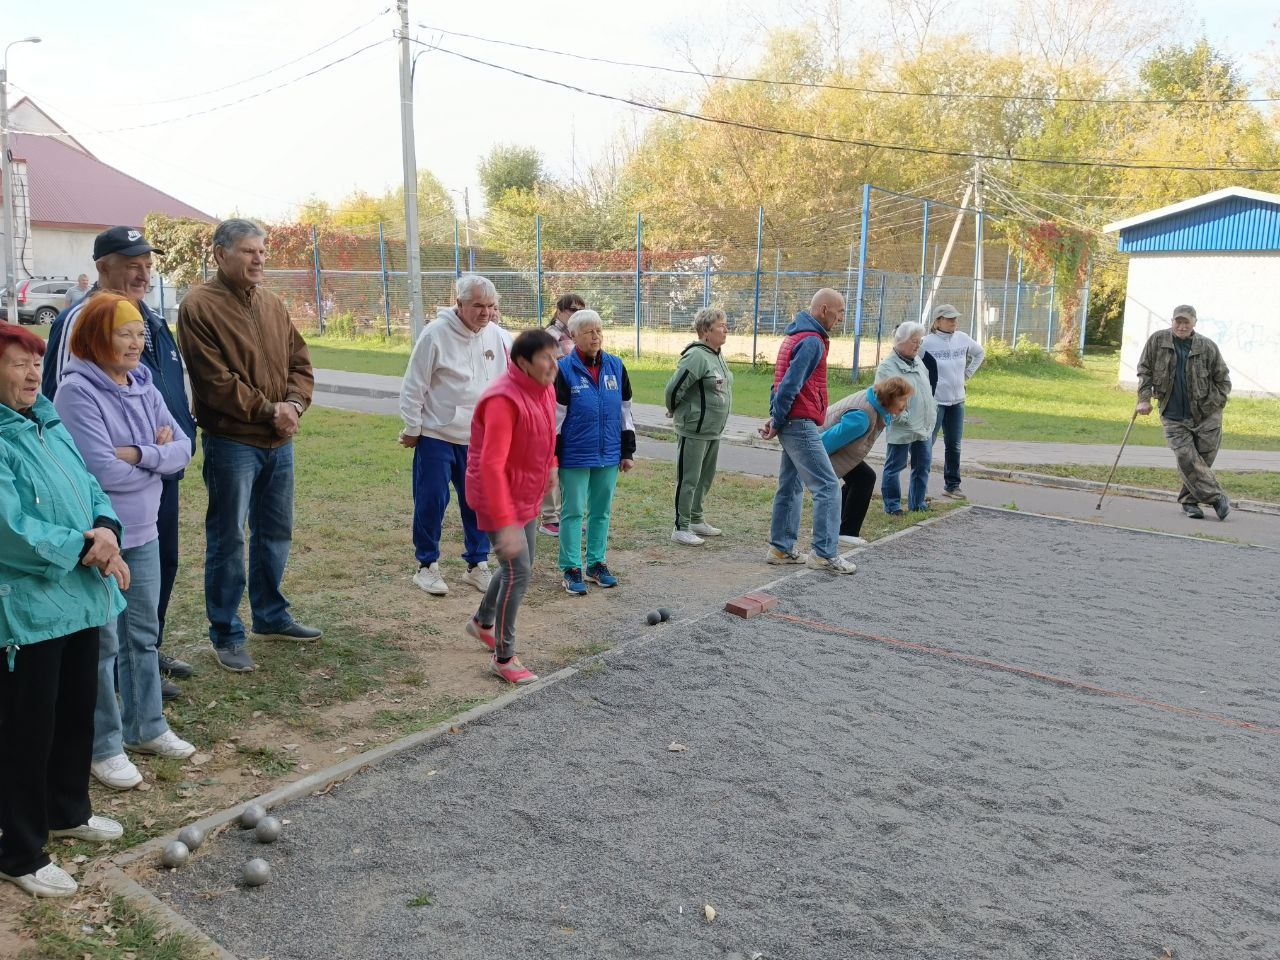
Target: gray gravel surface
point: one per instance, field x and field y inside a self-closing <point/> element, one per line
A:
<point x="838" y="797"/>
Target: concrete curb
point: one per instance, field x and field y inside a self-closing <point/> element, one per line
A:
<point x="1118" y="526"/>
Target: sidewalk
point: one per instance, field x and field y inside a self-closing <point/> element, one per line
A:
<point x="651" y="419"/>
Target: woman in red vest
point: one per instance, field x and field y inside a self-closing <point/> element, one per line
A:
<point x="509" y="462"/>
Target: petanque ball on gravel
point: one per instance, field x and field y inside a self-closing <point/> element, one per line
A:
<point x="652" y="617"/>
<point x="251" y="814"/>
<point x="664" y="613"/>
<point x="256" y="872"/>
<point x="175" y="854"/>
<point x="267" y="830"/>
<point x="192" y="837"/>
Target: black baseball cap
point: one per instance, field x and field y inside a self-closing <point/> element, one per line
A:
<point x="126" y="241"/>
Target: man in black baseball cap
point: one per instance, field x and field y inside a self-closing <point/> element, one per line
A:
<point x="122" y="256"/>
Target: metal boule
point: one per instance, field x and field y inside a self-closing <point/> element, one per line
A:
<point x="175" y="854"/>
<point x="267" y="830"/>
<point x="193" y="837"/>
<point x="251" y="814"/>
<point x="256" y="872"/>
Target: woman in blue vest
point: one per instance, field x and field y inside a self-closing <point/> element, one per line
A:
<point x="596" y="437"/>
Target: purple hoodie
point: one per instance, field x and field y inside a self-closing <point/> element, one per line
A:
<point x="101" y="415"/>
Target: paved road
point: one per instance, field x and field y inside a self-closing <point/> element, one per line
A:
<point x="762" y="461"/>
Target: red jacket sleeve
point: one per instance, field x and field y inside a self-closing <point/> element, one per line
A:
<point x="499" y="427"/>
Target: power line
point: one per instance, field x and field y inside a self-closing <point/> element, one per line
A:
<point x="871" y="144"/>
<point x="813" y="85"/>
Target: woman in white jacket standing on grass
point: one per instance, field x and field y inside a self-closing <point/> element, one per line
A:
<point x="958" y="357"/>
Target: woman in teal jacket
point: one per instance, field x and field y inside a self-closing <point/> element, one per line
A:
<point x="60" y="579"/>
<point x="699" y="396"/>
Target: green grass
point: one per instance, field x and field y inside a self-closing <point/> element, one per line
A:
<point x="1024" y="399"/>
<point x="1244" y="484"/>
<point x="123" y="933"/>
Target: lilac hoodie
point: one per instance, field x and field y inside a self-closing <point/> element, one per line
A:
<point x="101" y="415"/>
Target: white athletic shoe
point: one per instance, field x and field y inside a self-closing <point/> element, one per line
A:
<point x="116" y="772"/>
<point x="687" y="538"/>
<point x="48" y="881"/>
<point x="705" y="530"/>
<point x="830" y="564"/>
<point x="97" y="830"/>
<point x="429" y="579"/>
<point x="478" y="576"/>
<point x="168" y="745"/>
<point x="848" y="541"/>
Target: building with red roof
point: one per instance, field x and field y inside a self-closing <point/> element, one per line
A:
<point x="63" y="196"/>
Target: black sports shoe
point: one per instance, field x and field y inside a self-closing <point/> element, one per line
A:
<point x="293" y="630"/>
<point x="169" y="691"/>
<point x="1222" y="507"/>
<point x="173" y="667"/>
<point x="1193" y="511"/>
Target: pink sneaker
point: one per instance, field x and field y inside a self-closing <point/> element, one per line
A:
<point x="482" y="633"/>
<point x="513" y="671"/>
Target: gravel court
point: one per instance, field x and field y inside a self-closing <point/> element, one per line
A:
<point x="837" y="797"/>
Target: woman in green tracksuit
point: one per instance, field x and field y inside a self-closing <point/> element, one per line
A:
<point x="699" y="397"/>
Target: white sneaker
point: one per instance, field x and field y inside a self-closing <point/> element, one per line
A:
<point x="116" y="772"/>
<point x="848" y="541"/>
<point x="48" y="881"/>
<point x="429" y="579"/>
<point x="97" y="830"/>
<point x="687" y="537"/>
<point x="830" y="564"/>
<point x="478" y="576"/>
<point x="168" y="745"/>
<point x="705" y="530"/>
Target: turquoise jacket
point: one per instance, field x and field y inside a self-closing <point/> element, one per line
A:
<point x="48" y="499"/>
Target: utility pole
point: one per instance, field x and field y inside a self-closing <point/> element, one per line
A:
<point x="9" y="296"/>
<point x="413" y="250"/>
<point x="979" y="291"/>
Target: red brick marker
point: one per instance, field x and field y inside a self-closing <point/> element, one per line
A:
<point x="751" y="605"/>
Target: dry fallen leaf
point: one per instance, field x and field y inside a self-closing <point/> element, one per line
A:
<point x="143" y="787"/>
<point x="709" y="912"/>
<point x="200" y="759"/>
<point x="677" y="747"/>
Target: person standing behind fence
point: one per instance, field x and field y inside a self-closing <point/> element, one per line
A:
<point x="1186" y="373"/>
<point x="958" y="357"/>
<point x="596" y="438"/>
<point x="566" y="307"/>
<point x="509" y="465"/>
<point x="908" y="437"/>
<point x="850" y="429"/>
<point x="129" y="442"/>
<point x="796" y="410"/>
<point x="455" y="358"/>
<point x="252" y="380"/>
<point x="699" y="396"/>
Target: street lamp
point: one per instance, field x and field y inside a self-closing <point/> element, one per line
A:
<point x="9" y="294"/>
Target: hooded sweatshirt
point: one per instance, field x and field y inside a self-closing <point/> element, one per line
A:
<point x="448" y="370"/>
<point x="699" y="394"/>
<point x="959" y="356"/>
<point x="101" y="415"/>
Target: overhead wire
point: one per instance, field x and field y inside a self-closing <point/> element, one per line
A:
<point x="878" y="91"/>
<point x="846" y="141"/>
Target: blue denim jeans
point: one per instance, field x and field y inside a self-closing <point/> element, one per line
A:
<point x="896" y="455"/>
<point x="127" y="646"/>
<point x="805" y="464"/>
<point x="253" y="484"/>
<point x="951" y="425"/>
<point x="436" y="465"/>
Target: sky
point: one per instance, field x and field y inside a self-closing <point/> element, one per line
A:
<point x="180" y="94"/>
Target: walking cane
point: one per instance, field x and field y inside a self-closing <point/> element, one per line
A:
<point x="1117" y="463"/>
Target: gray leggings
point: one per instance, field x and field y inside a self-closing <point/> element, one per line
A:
<point x="506" y="592"/>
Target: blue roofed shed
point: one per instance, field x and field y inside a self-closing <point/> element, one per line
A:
<point x="1219" y="252"/>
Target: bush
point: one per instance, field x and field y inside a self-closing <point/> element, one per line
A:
<point x="1024" y="352"/>
<point x="341" y="326"/>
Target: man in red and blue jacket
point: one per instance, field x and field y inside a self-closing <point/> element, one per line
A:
<point x="797" y="407"/>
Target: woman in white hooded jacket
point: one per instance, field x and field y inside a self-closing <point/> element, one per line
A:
<point x="958" y="357"/>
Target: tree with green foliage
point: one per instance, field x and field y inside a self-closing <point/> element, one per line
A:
<point x="510" y="167"/>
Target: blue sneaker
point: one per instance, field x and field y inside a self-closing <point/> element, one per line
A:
<point x="599" y="574"/>
<point x="573" y="582"/>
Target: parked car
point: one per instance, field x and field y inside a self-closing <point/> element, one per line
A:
<point x="41" y="299"/>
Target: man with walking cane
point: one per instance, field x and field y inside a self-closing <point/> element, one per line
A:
<point x="1185" y="372"/>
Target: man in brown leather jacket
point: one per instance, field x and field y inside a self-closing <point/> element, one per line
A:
<point x="1185" y="372"/>
<point x="251" y="381"/>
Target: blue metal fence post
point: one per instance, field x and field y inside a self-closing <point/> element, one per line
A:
<point x="386" y="298"/>
<point x="1048" y="342"/>
<point x="638" y="268"/>
<point x="706" y="281"/>
<point x="1004" y="305"/>
<point x="880" y="319"/>
<point x="755" y="310"/>
<point x="537" y="226"/>
<point x="315" y="257"/>
<point x="457" y="253"/>
<point x="924" y="259"/>
<point x="1017" y="301"/>
<point x="977" y="299"/>
<point x="862" y="279"/>
<point x="1084" y="301"/>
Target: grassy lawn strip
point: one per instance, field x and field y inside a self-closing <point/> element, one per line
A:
<point x="116" y="931"/>
<point x="1009" y="399"/>
<point x="1245" y="484"/>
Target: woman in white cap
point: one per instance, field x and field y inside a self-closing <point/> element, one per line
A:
<point x="958" y="357"/>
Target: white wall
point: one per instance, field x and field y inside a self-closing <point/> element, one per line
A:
<point x="1237" y="298"/>
<point x="64" y="253"/>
